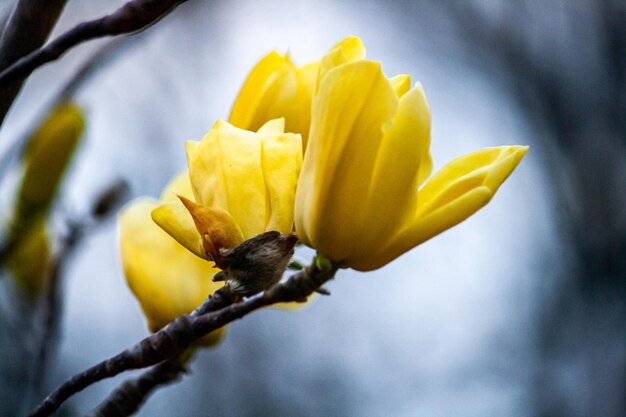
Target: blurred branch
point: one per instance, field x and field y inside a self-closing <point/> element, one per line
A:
<point x="93" y="64"/>
<point x="5" y="13"/>
<point x="184" y="331"/>
<point x="133" y="16"/>
<point x="90" y="67"/>
<point x="26" y="29"/>
<point x="103" y="206"/>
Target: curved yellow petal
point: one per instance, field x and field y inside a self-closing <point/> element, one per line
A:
<point x="354" y="102"/>
<point x="487" y="167"/>
<point x="425" y="228"/>
<point x="453" y="194"/>
<point x="278" y="99"/>
<point x="307" y="83"/>
<point x="246" y="106"/>
<point x="282" y="159"/>
<point x="174" y="219"/>
<point x="401" y="84"/>
<point x="272" y="128"/>
<point x="166" y="278"/>
<point x="205" y="170"/>
<point x="391" y="201"/>
<point x="347" y="50"/>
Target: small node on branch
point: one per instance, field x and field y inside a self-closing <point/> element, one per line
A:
<point x="258" y="263"/>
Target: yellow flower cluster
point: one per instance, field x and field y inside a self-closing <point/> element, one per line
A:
<point x="362" y="196"/>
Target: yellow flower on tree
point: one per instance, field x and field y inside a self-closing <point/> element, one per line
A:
<point x="164" y="276"/>
<point x="276" y="87"/>
<point x="240" y="184"/>
<point x="244" y="184"/>
<point x="357" y="200"/>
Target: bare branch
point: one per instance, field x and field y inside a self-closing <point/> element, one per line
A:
<point x="129" y="396"/>
<point x="27" y="29"/>
<point x="182" y="332"/>
<point x="94" y="63"/>
<point x="131" y="17"/>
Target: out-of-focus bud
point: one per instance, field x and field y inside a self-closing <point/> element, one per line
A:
<point x="48" y="153"/>
<point x="30" y="260"/>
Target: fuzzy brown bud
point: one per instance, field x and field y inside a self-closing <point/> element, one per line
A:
<point x="258" y="263"/>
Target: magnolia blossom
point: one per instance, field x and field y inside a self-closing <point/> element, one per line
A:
<point x="360" y="199"/>
<point x="244" y="184"/>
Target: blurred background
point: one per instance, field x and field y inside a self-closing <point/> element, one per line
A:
<point x="519" y="311"/>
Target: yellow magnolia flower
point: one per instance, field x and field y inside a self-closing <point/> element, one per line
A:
<point x="357" y="200"/>
<point x="164" y="276"/>
<point x="244" y="184"/>
<point x="276" y="87"/>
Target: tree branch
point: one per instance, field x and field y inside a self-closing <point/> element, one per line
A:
<point x="27" y="28"/>
<point x="129" y="396"/>
<point x="133" y="16"/>
<point x="182" y="332"/>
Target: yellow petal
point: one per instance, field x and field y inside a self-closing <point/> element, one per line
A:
<point x="353" y="104"/>
<point x="453" y="194"/>
<point x="272" y="128"/>
<point x="244" y="111"/>
<point x="278" y="99"/>
<point x="164" y="276"/>
<point x="347" y="50"/>
<point x="307" y="83"/>
<point x="226" y="173"/>
<point x="218" y="229"/>
<point x="401" y="84"/>
<point x="487" y="167"/>
<point x="392" y="199"/>
<point x="174" y="219"/>
<point x="282" y="158"/>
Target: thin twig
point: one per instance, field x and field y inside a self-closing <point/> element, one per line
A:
<point x="52" y="301"/>
<point x="128" y="397"/>
<point x="88" y="68"/>
<point x="182" y="332"/>
<point x="133" y="16"/>
<point x="27" y="28"/>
